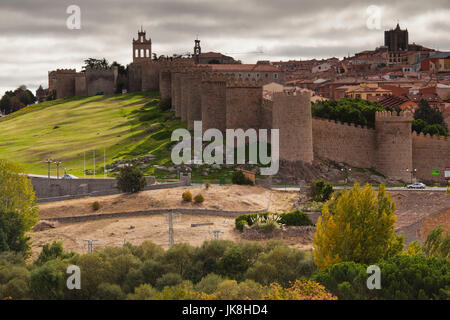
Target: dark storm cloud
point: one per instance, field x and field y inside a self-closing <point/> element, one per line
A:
<point x="34" y="37"/>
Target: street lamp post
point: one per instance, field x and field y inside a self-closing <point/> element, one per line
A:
<point x="412" y="171"/>
<point x="58" y="163"/>
<point x="48" y="161"/>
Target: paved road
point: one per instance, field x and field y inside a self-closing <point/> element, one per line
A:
<point x="434" y="189"/>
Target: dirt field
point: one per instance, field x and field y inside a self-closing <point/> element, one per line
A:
<point x="114" y="232"/>
<point x="228" y="198"/>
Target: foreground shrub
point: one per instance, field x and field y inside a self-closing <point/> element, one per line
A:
<point x="321" y="191"/>
<point x="294" y="218"/>
<point x="96" y="206"/>
<point x="199" y="198"/>
<point x="300" y="290"/>
<point x="131" y="180"/>
<point x="13" y="233"/>
<point x="402" y="277"/>
<point x="282" y="265"/>
<point x="187" y="196"/>
<point x="239" y="178"/>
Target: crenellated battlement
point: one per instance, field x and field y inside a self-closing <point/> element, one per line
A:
<point x="404" y="116"/>
<point x="344" y="124"/>
<point x="216" y="77"/>
<point x="64" y="71"/>
<point x="428" y="136"/>
<point x="244" y="83"/>
<point x="301" y="95"/>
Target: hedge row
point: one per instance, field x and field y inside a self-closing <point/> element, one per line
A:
<point x="294" y="218"/>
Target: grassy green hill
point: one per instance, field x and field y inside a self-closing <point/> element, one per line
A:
<point x="125" y="126"/>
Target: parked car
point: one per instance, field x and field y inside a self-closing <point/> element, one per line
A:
<point x="69" y="176"/>
<point x="416" y="186"/>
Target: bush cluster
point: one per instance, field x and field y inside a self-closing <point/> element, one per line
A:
<point x="216" y="270"/>
<point x="131" y="180"/>
<point x="199" y="198"/>
<point x="187" y="196"/>
<point x="294" y="218"/>
<point x="320" y="190"/>
<point x="239" y="178"/>
<point x="96" y="206"/>
<point x="349" y="110"/>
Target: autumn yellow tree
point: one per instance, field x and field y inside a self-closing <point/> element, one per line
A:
<point x="17" y="194"/>
<point x="360" y="228"/>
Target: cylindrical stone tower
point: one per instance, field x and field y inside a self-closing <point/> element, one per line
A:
<point x="292" y="116"/>
<point x="394" y="144"/>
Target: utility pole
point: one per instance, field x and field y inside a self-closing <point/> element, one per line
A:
<point x="170" y="220"/>
<point x="90" y="244"/>
<point x="84" y="164"/>
<point x="48" y="161"/>
<point x="216" y="234"/>
<point x="171" y="241"/>
<point x="93" y="151"/>
<point x="104" y="163"/>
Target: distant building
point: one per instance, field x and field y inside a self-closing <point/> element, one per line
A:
<point x="211" y="57"/>
<point x="396" y="39"/>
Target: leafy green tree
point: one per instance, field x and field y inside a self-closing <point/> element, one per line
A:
<point x="234" y="263"/>
<point x="169" y="280"/>
<point x="131" y="180"/>
<point x="402" y="277"/>
<point x="53" y="251"/>
<point x="94" y="63"/>
<point x="209" y="283"/>
<point x="437" y="244"/>
<point x="282" y="265"/>
<point x="178" y="258"/>
<point x="239" y="178"/>
<point x="12" y="233"/>
<point x="429" y="120"/>
<point x="349" y="110"/>
<point x="320" y="190"/>
<point x="17" y="194"/>
<point x="108" y="291"/>
<point x="48" y="282"/>
<point x="360" y="229"/>
<point x="143" y="292"/>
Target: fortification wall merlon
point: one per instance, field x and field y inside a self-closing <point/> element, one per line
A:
<point x="216" y="77"/>
<point x="244" y="83"/>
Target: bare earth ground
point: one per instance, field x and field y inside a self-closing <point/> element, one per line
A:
<point x="114" y="232"/>
<point x="411" y="207"/>
<point x="227" y="198"/>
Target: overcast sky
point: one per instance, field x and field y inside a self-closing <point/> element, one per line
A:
<point x="34" y="37"/>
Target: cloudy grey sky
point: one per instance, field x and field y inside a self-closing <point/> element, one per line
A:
<point x="34" y="37"/>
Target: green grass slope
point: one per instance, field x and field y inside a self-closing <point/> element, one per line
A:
<point x="123" y="126"/>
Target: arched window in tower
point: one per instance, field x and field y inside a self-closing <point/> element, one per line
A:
<point x="142" y="53"/>
<point x="136" y="53"/>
